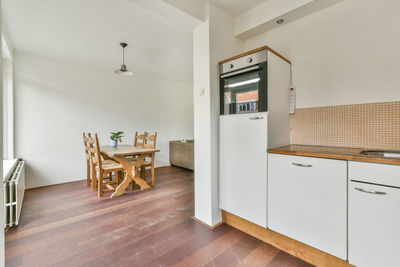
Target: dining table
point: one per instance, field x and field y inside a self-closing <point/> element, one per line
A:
<point x="132" y="174"/>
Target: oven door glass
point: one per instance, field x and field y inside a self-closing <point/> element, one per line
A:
<point x="243" y="93"/>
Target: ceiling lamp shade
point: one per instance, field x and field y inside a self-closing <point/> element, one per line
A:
<point x="123" y="71"/>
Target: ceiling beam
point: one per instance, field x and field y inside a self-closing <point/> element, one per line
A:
<point x="263" y="18"/>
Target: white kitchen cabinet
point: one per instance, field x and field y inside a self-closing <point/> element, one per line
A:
<point x="307" y="201"/>
<point x="243" y="166"/>
<point x="374" y="214"/>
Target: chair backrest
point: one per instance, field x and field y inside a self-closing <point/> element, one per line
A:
<point x="86" y="144"/>
<point x="151" y="141"/>
<point x="140" y="140"/>
<point x="94" y="149"/>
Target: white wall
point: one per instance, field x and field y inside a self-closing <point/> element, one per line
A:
<point x="55" y="101"/>
<point x="202" y="126"/>
<point x="2" y="258"/>
<point x="223" y="44"/>
<point x="213" y="41"/>
<point x="345" y="54"/>
<point x="8" y="95"/>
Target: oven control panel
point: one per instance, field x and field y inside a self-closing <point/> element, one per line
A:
<point x="243" y="62"/>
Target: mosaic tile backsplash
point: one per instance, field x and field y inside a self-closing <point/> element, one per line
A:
<point x="374" y="125"/>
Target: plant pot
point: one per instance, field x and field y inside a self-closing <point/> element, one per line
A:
<point x="114" y="143"/>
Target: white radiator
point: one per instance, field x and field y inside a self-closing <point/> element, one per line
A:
<point x="14" y="188"/>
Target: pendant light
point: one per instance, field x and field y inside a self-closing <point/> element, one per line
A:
<point x="123" y="71"/>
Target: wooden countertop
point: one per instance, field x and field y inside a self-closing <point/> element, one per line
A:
<point x="343" y="153"/>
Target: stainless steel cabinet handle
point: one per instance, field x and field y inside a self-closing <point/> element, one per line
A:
<point x="256" y="118"/>
<point x="370" y="191"/>
<point x="301" y="165"/>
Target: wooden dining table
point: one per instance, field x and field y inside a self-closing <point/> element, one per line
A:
<point x="119" y="154"/>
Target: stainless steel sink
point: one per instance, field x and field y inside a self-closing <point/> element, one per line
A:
<point x="381" y="153"/>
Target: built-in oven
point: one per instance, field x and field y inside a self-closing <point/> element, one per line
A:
<point x="243" y="84"/>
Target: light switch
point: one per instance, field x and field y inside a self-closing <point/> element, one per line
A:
<point x="201" y="91"/>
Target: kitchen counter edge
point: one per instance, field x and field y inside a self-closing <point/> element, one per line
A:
<point x="340" y="153"/>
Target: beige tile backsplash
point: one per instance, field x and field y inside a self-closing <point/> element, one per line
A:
<point x="374" y="125"/>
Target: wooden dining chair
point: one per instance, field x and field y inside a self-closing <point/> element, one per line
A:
<point x="103" y="169"/>
<point x="89" y="165"/>
<point x="140" y="140"/>
<point x="88" y="160"/>
<point x="150" y="142"/>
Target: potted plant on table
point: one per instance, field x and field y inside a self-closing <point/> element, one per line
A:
<point x="115" y="137"/>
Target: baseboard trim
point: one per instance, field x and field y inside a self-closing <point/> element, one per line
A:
<point x="207" y="225"/>
<point x="309" y="254"/>
<point x="75" y="181"/>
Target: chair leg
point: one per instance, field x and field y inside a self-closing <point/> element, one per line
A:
<point x="152" y="176"/>
<point x="118" y="177"/>
<point x="100" y="185"/>
<point x="88" y="178"/>
<point x="94" y="178"/>
<point x="152" y="169"/>
<point x="143" y="173"/>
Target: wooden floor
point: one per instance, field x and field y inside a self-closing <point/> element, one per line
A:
<point x="67" y="225"/>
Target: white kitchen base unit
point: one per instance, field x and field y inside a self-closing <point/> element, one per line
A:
<point x="374" y="214"/>
<point x="307" y="201"/>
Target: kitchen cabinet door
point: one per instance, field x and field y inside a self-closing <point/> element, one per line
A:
<point x="243" y="166"/>
<point x="307" y="201"/>
<point x="374" y="225"/>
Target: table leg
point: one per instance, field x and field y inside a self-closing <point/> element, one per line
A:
<point x="130" y="175"/>
<point x="121" y="188"/>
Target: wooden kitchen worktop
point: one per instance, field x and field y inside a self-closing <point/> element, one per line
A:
<point x="343" y="153"/>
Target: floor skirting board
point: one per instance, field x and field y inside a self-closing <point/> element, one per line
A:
<point x="205" y="224"/>
<point x="291" y="246"/>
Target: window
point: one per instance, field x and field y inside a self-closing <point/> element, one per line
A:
<point x="8" y="100"/>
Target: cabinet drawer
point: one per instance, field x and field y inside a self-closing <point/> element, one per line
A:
<point x="307" y="201"/>
<point x="374" y="173"/>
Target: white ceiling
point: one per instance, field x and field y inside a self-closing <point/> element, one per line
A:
<point x="89" y="31"/>
<point x="237" y="7"/>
